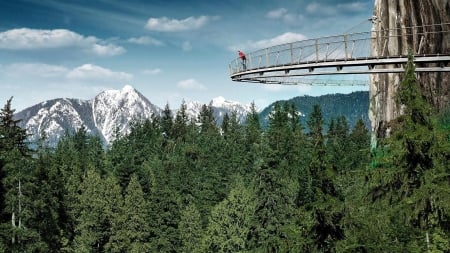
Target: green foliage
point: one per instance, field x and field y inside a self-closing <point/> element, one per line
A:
<point x="353" y="106"/>
<point x="130" y="225"/>
<point x="99" y="200"/>
<point x="190" y="229"/>
<point x="230" y="221"/>
<point x="186" y="185"/>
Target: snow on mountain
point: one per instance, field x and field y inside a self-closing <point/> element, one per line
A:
<point x="193" y="109"/>
<point x="221" y="106"/>
<point x="109" y="110"/>
<point x="113" y="109"/>
<point x="106" y="112"/>
<point x="55" y="117"/>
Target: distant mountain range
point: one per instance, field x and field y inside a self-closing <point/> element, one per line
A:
<point x="353" y="106"/>
<point x="116" y="109"/>
<point x="108" y="111"/>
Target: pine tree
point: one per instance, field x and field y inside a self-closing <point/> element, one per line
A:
<point x="163" y="210"/>
<point x="252" y="139"/>
<point x="206" y="119"/>
<point x="190" y="229"/>
<point x="17" y="185"/>
<point x="98" y="202"/>
<point x="410" y="182"/>
<point x="359" y="146"/>
<point x="253" y="128"/>
<point x="337" y="144"/>
<point x="279" y="132"/>
<point x="180" y="123"/>
<point x="130" y="225"/>
<point x="326" y="206"/>
<point x="167" y="121"/>
<point x="316" y="139"/>
<point x="275" y="194"/>
<point x="48" y="194"/>
<point x="230" y="221"/>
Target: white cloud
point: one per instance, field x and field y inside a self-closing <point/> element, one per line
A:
<point x="187" y="46"/>
<point x="94" y="72"/>
<point x="278" y="40"/>
<point x="34" y="39"/>
<point x="320" y="9"/>
<point x="152" y="71"/>
<point x="277" y="13"/>
<point x="107" y="50"/>
<point x="146" y="40"/>
<point x="284" y="15"/>
<point x="40" y="70"/>
<point x="191" y="84"/>
<point x="164" y="24"/>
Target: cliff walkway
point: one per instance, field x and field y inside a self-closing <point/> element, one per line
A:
<point x="347" y="54"/>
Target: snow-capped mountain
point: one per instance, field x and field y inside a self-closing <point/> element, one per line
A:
<point x="102" y="115"/>
<point x="106" y="112"/>
<point x="220" y="107"/>
<point x="113" y="109"/>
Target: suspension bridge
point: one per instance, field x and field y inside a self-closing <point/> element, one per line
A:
<point x="347" y="54"/>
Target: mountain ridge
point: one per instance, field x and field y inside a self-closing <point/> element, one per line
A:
<point x="108" y="111"/>
<point x="115" y="110"/>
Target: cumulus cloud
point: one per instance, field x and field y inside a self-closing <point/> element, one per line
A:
<point x="86" y="72"/>
<point x="107" y="50"/>
<point x="164" y="24"/>
<point x="34" y="39"/>
<point x="94" y="72"/>
<point x="146" y="40"/>
<point x="40" y="70"/>
<point x="191" y="84"/>
<point x="283" y="14"/>
<point x="278" y="40"/>
<point x="277" y="13"/>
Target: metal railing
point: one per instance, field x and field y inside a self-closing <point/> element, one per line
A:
<point x="346" y="47"/>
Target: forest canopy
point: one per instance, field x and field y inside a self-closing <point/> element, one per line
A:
<point x="174" y="184"/>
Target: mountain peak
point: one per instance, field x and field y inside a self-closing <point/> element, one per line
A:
<point x="107" y="112"/>
<point x="218" y="101"/>
<point x="221" y="101"/>
<point x="128" y="88"/>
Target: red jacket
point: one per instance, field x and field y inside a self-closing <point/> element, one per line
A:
<point x="241" y="55"/>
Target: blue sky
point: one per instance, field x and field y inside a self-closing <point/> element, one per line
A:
<point x="169" y="50"/>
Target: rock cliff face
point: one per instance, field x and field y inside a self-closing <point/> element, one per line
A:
<point x="396" y="18"/>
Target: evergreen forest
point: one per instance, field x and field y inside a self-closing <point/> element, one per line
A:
<point x="174" y="184"/>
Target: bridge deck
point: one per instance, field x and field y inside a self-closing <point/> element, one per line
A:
<point x="336" y="55"/>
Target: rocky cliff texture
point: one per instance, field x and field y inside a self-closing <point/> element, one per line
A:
<point x="395" y="18"/>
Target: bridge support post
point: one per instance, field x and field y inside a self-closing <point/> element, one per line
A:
<point x="300" y="56"/>
<point x="267" y="58"/>
<point x="346" y="46"/>
<point x="316" y="44"/>
<point x="292" y="54"/>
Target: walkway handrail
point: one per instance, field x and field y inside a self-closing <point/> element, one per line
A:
<point x="345" y="47"/>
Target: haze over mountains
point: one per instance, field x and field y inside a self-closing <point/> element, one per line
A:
<point x="115" y="110"/>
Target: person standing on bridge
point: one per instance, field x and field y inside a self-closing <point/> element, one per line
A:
<point x="243" y="58"/>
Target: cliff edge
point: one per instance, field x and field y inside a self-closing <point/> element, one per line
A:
<point x="399" y="26"/>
